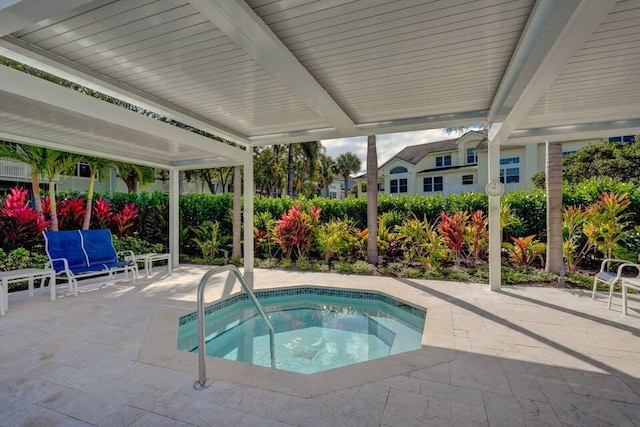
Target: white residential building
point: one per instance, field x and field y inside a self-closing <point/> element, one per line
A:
<point x="460" y="165"/>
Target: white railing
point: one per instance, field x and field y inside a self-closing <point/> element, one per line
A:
<point x="202" y="382"/>
<point x="13" y="169"/>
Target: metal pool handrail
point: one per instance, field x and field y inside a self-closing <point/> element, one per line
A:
<point x="202" y="369"/>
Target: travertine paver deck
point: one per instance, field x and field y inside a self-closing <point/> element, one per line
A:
<point x="524" y="356"/>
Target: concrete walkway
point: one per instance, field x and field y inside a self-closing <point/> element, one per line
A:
<point x="523" y="356"/>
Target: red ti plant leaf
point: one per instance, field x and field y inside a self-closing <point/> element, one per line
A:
<point x="21" y="225"/>
<point x="124" y="220"/>
<point x="101" y="215"/>
<point x="451" y="229"/>
<point x="71" y="213"/>
<point x="294" y="230"/>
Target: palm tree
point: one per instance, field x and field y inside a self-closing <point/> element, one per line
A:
<point x="346" y="164"/>
<point x="310" y="151"/>
<point x="54" y="163"/>
<point x="132" y="175"/>
<point x="98" y="167"/>
<point x="290" y="170"/>
<point x="372" y="200"/>
<point x="327" y="170"/>
<point x="555" y="262"/>
<point x="32" y="156"/>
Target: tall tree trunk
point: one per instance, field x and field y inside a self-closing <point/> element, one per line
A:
<point x="372" y="200"/>
<point x="36" y="191"/>
<point x="346" y="185"/>
<point x="89" y="204"/>
<point x="326" y="188"/>
<point x="290" y="171"/>
<point x="237" y="213"/>
<point x="555" y="262"/>
<point x="52" y="205"/>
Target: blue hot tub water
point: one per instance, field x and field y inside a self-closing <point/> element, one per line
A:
<point x="315" y="328"/>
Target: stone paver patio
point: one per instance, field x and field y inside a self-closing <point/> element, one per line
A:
<point x="523" y="356"/>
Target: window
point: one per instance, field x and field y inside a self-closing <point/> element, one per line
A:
<point x="81" y="170"/>
<point x="443" y="161"/>
<point x="403" y="185"/>
<point x="508" y="172"/>
<point x="381" y="186"/>
<point x="626" y="138"/>
<point x="431" y="184"/>
<point x="84" y="170"/>
<point x="472" y="156"/>
<point x="333" y="195"/>
<point x="398" y="185"/>
<point x="398" y="169"/>
<point x="467" y="179"/>
<point x="566" y="153"/>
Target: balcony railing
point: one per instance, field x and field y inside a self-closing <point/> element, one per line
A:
<point x="14" y="170"/>
<point x="11" y="170"/>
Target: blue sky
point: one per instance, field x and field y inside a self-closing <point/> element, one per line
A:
<point x="387" y="145"/>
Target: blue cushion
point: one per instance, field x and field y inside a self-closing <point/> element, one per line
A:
<point x="65" y="244"/>
<point x="99" y="247"/>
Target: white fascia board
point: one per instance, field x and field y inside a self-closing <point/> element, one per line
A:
<point x="20" y="51"/>
<point x="16" y="15"/>
<point x="555" y="32"/>
<point x="34" y="88"/>
<point x="204" y="163"/>
<point x="575" y="132"/>
<point x="29" y="140"/>
<point x="247" y="30"/>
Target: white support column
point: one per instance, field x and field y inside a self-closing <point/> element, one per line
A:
<point x="174" y="217"/>
<point x="495" y="231"/>
<point x="248" y="220"/>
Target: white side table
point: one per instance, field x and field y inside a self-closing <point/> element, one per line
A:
<point x="149" y="259"/>
<point x="628" y="283"/>
<point x="29" y="274"/>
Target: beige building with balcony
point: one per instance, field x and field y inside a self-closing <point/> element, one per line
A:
<point x="460" y="165"/>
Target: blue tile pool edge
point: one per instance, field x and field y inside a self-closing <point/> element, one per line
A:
<point x="306" y="290"/>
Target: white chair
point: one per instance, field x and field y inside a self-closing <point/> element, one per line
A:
<point x="612" y="271"/>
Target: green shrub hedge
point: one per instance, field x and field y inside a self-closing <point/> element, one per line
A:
<point x="530" y="207"/>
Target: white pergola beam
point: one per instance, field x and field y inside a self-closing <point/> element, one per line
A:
<point x="18" y="14"/>
<point x="20" y="51"/>
<point x="30" y="140"/>
<point x="241" y="24"/>
<point x="554" y="33"/>
<point x="573" y="132"/>
<point x="39" y="90"/>
<point x="377" y="128"/>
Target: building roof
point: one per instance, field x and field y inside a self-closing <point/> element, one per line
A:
<point x="415" y="153"/>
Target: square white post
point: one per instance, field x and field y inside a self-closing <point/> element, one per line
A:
<point x="495" y="231"/>
<point x="174" y="217"/>
<point x="248" y="219"/>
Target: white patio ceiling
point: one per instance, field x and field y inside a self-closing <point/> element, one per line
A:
<point x="277" y="71"/>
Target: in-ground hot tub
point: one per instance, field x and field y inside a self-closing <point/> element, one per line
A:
<point x="316" y="328"/>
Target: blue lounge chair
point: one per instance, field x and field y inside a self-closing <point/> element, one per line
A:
<point x="79" y="254"/>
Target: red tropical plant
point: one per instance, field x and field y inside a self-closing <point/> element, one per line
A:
<point x="124" y="220"/>
<point x="21" y="225"/>
<point x="525" y="250"/>
<point x="451" y="230"/>
<point x="71" y="213"/>
<point x="101" y="216"/>
<point x="476" y="234"/>
<point x="295" y="230"/>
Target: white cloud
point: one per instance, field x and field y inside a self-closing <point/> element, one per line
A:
<point x="387" y="145"/>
